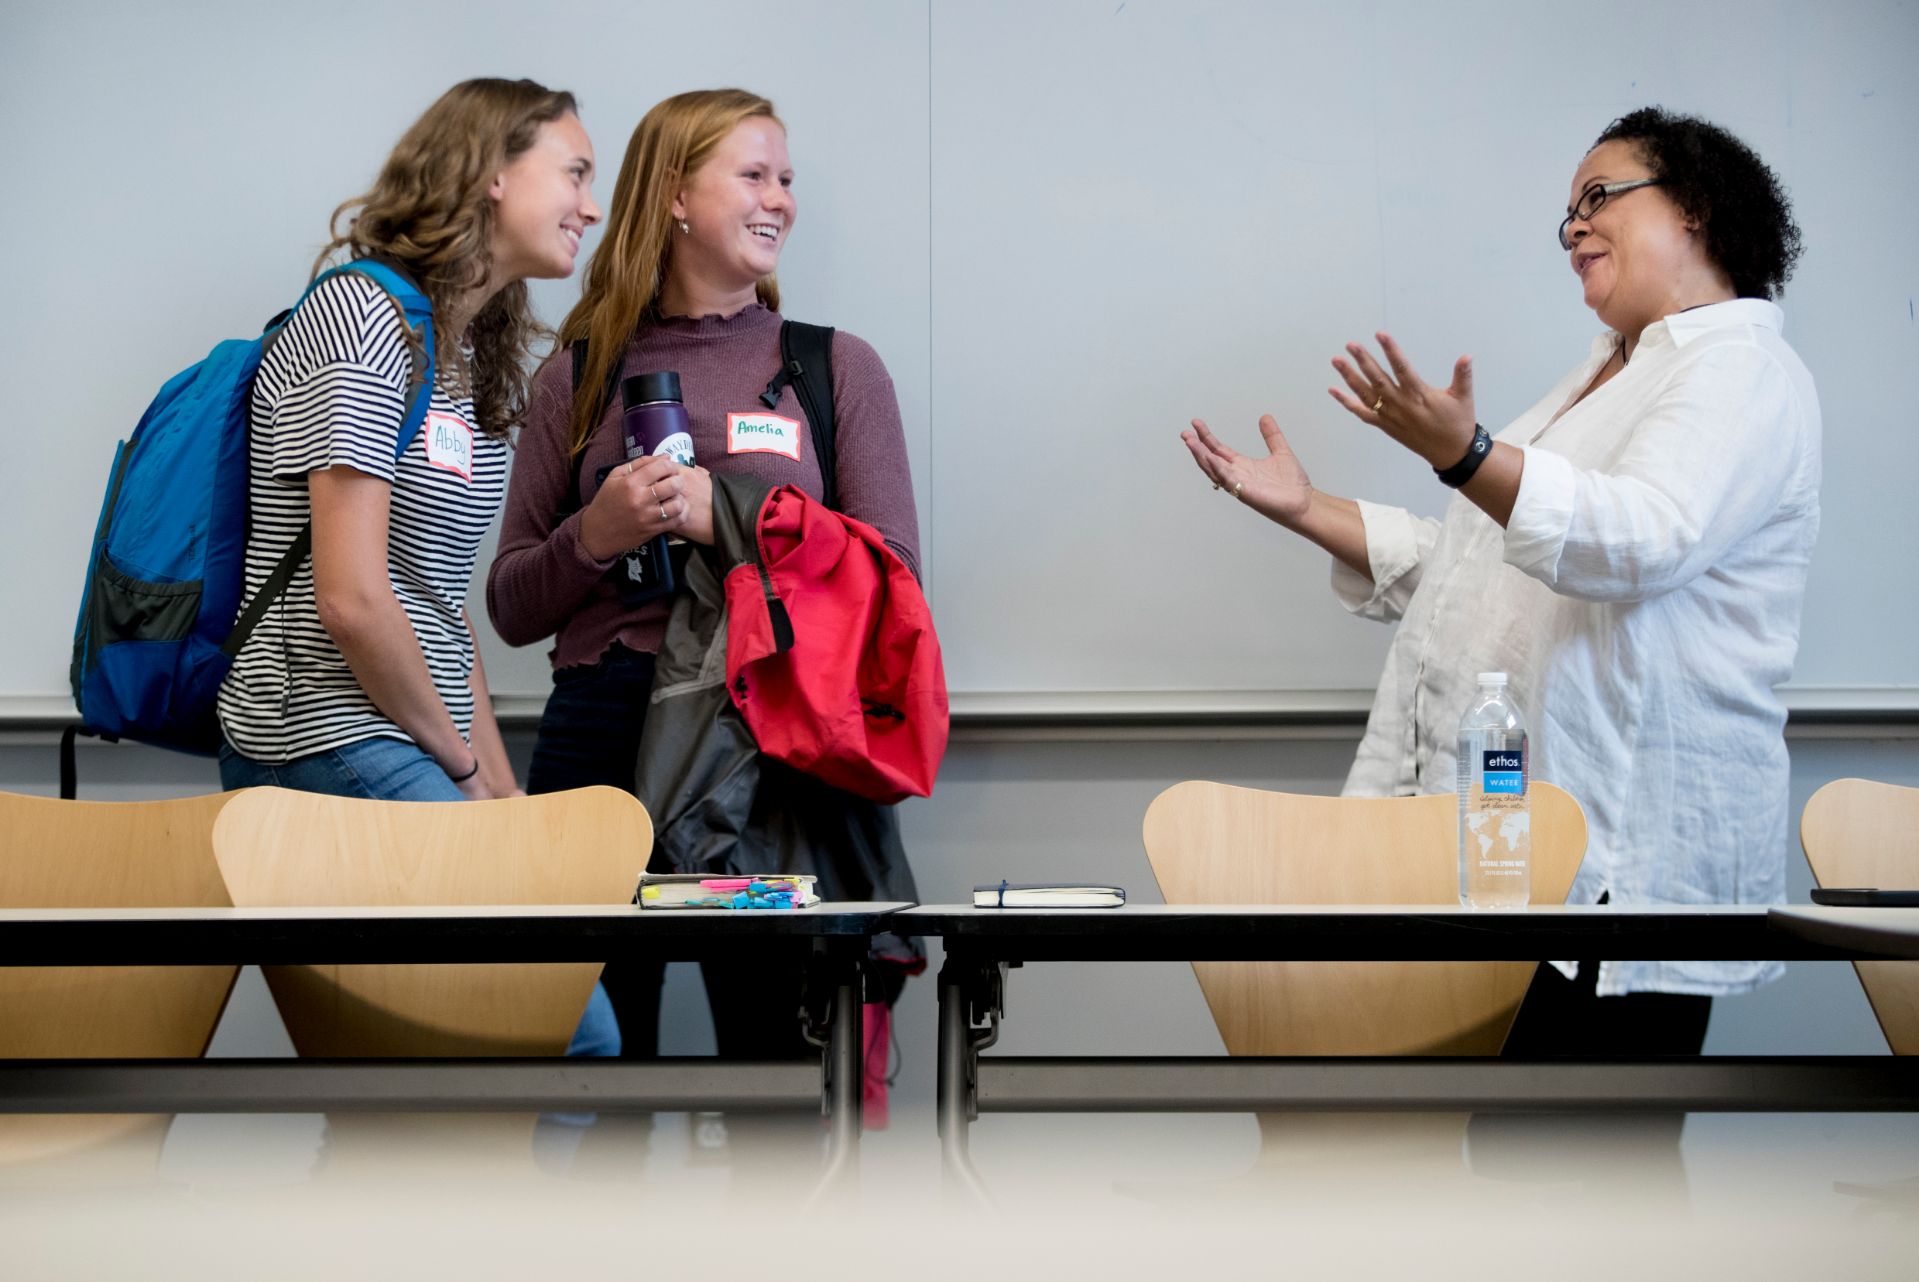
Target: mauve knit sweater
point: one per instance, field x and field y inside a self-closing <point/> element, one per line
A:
<point x="544" y="582"/>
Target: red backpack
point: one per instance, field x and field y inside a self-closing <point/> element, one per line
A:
<point x="831" y="656"/>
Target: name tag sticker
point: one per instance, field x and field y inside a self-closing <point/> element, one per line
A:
<point x="763" y="434"/>
<point x="449" y="443"/>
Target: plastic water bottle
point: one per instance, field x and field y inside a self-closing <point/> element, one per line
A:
<point x="1495" y="813"/>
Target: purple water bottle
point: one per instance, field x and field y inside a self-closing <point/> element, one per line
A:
<point x="655" y="423"/>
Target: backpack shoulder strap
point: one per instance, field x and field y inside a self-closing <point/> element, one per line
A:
<point x="416" y="314"/>
<point x="807" y="353"/>
<point x="577" y="351"/>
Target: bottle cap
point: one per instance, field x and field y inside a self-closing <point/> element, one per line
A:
<point x="661" y="385"/>
<point x="1492" y="678"/>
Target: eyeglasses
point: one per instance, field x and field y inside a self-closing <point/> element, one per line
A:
<point x="1593" y="199"/>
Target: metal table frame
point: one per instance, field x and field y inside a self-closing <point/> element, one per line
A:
<point x="983" y="944"/>
<point x="838" y="932"/>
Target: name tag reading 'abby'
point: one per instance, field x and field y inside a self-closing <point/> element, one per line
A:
<point x="449" y="443"/>
<point x="762" y="434"/>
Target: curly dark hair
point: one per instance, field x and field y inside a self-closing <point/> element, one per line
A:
<point x="1720" y="183"/>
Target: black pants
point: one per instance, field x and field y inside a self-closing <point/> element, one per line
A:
<point x="590" y="734"/>
<point x="1564" y="1018"/>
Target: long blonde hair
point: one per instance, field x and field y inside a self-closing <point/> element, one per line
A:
<point x="621" y="292"/>
<point x="429" y="212"/>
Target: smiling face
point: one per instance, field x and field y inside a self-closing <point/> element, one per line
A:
<point x="1638" y="257"/>
<point x="543" y="203"/>
<point x="738" y="208"/>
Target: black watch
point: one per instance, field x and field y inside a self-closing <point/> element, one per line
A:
<point x="1461" y="472"/>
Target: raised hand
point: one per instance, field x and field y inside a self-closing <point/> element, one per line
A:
<point x="1435" y="423"/>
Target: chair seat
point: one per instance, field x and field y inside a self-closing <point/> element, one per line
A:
<point x="1857" y="832"/>
<point x="279" y="848"/>
<point x="90" y="854"/>
<point x="1212" y="843"/>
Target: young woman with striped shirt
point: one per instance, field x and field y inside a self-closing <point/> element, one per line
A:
<point x="363" y="678"/>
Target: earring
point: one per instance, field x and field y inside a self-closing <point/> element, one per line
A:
<point x="684" y="229"/>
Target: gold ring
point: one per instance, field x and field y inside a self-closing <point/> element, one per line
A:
<point x="1237" y="487"/>
<point x="1378" y="401"/>
<point x="663" y="511"/>
<point x="1215" y="484"/>
<point x="651" y="492"/>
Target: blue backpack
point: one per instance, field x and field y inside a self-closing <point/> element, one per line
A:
<point x="158" y="629"/>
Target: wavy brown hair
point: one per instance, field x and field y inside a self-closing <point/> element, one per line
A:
<point x="429" y="212"/>
<point x="620" y="295"/>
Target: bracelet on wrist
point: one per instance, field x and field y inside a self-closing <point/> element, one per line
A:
<point x="1461" y="472"/>
<point x="470" y="773"/>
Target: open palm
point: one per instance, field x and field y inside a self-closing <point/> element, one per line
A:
<point x="1276" y="486"/>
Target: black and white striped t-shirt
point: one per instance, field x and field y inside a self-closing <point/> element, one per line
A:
<point x="331" y="391"/>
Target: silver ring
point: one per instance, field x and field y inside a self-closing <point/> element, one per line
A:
<point x="1216" y="485"/>
<point x="651" y="492"/>
<point x="663" y="512"/>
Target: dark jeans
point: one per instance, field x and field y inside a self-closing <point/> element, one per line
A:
<point x="590" y="734"/>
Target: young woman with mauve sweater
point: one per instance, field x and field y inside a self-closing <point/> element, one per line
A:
<point x="684" y="281"/>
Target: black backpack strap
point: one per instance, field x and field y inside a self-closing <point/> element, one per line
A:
<point x="577" y="350"/>
<point x="806" y="353"/>
<point x="69" y="768"/>
<point x="269" y="592"/>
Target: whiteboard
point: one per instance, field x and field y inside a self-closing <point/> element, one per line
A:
<point x="1067" y="227"/>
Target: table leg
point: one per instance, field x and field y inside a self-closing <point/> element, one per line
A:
<point x="845" y="1080"/>
<point x="958" y="1052"/>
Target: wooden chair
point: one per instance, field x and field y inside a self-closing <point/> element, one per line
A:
<point x="90" y="854"/>
<point x="292" y="849"/>
<point x="1859" y="833"/>
<point x="1212" y="843"/>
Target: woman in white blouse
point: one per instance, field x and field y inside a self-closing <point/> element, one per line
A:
<point x="1632" y="550"/>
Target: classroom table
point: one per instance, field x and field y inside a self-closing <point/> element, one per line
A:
<point x="839" y="933"/>
<point x="1875" y="933"/>
<point x="983" y="944"/>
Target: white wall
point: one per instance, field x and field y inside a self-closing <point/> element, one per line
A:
<point x="1067" y="227"/>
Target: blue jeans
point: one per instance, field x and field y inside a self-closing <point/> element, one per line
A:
<point x="378" y="769"/>
<point x="395" y="770"/>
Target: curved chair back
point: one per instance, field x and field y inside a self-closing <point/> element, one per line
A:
<point x="1212" y="843"/>
<point x="295" y="849"/>
<point x="1859" y="833"/>
<point x="113" y="854"/>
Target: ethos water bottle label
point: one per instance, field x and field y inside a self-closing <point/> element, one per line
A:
<point x="1503" y="771"/>
<point x="763" y="434"/>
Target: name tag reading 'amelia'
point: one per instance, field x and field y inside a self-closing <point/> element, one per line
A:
<point x="763" y="434"/>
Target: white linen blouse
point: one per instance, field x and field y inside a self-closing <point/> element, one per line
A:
<point x="1644" y="599"/>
